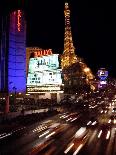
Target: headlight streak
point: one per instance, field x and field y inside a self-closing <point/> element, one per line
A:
<point x="89" y="123"/>
<point x="108" y="135"/>
<point x="109" y="121"/>
<point x="74" y="119"/>
<point x="40" y="128"/>
<point x="78" y="149"/>
<point x="44" y="134"/>
<point x="99" y="135"/>
<point x="94" y="123"/>
<point x="6" y="135"/>
<point x="50" y="134"/>
<point x="69" y="148"/>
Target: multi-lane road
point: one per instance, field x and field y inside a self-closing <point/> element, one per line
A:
<point x="68" y="133"/>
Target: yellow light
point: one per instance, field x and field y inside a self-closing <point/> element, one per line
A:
<point x="27" y="94"/>
<point x="86" y="69"/>
<point x="92" y="87"/>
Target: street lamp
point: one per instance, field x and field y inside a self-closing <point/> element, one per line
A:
<point x="7" y="100"/>
<point x="14" y="88"/>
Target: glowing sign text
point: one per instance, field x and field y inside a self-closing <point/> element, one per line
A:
<point x="42" y="52"/>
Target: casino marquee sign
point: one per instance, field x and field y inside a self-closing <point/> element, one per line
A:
<point x="39" y="53"/>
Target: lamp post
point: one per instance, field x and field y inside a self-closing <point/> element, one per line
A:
<point x="14" y="88"/>
<point x="7" y="103"/>
<point x="7" y="100"/>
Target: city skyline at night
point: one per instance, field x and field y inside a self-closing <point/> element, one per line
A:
<point x="91" y="31"/>
<point x="91" y="24"/>
<point x="57" y="77"/>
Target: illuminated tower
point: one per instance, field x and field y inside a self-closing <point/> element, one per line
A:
<point x="68" y="57"/>
<point x="17" y="52"/>
<point x="75" y="71"/>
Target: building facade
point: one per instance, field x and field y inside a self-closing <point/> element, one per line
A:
<point x="17" y="52"/>
<point x="13" y="52"/>
<point x="44" y="75"/>
<point x="4" y="53"/>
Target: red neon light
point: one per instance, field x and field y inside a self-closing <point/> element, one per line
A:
<point x="19" y="20"/>
<point x="45" y="52"/>
<point x="42" y="52"/>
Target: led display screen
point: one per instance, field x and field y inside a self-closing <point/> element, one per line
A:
<point x="43" y="71"/>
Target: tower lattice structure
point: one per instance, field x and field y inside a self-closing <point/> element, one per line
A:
<point x="68" y="57"/>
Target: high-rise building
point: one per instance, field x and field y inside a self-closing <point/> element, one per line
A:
<point x="17" y="52"/>
<point x="12" y="54"/>
<point x="4" y="53"/>
<point x="68" y="57"/>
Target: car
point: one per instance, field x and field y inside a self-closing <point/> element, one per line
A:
<point x="114" y="110"/>
<point x="104" y="132"/>
<point x="93" y="121"/>
<point x="112" y="119"/>
<point x="79" y="140"/>
<point x="103" y="111"/>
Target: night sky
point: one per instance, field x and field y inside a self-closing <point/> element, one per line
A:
<point x="93" y="28"/>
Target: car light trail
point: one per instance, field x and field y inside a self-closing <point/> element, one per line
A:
<point x="78" y="149"/>
<point x="74" y="119"/>
<point x="99" y="135"/>
<point x="68" y="119"/>
<point x="102" y="111"/>
<point x="44" y="134"/>
<point x="6" y="135"/>
<point x="114" y="121"/>
<point x="40" y="128"/>
<point x="94" y="123"/>
<point x="68" y="149"/>
<point x="50" y="134"/>
<point x="108" y="135"/>
<point x="109" y="121"/>
<point x="89" y="123"/>
<point x="2" y="134"/>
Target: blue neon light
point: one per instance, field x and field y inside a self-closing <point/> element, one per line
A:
<point x="17" y="55"/>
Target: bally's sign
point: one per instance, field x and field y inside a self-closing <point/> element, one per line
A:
<point x="40" y="53"/>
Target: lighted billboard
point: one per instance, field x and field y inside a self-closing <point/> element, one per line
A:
<point x="102" y="74"/>
<point x="44" y="71"/>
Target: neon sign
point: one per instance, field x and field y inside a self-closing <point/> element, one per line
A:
<point x="42" y="52"/>
<point x="102" y="74"/>
<point x="44" y="88"/>
<point x="19" y="20"/>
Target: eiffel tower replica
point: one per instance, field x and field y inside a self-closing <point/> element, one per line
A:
<point x="72" y="66"/>
<point x="68" y="57"/>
